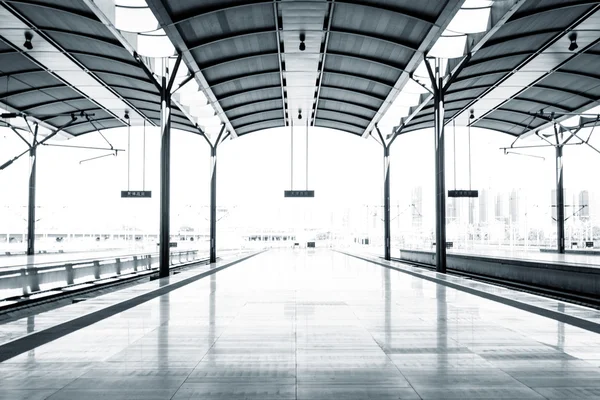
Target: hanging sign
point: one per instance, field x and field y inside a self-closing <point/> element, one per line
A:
<point x="299" y="193"/>
<point x="136" y="193"/>
<point x="463" y="193"/>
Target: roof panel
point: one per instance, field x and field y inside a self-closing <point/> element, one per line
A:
<point x="569" y="86"/>
<point x="241" y="67"/>
<point x="250" y="82"/>
<point x="234" y="48"/>
<point x="358" y="83"/>
<point x="370" y="48"/>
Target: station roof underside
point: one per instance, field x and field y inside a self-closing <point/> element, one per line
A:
<point x="359" y="55"/>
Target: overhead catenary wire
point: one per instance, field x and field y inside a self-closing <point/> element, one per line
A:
<point x="454" y="152"/>
<point x="306" y="153"/>
<point x="128" y="155"/>
<point x="144" y="160"/>
<point x="292" y="155"/>
<point x="469" y="133"/>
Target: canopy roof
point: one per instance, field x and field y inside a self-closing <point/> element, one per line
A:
<point x="338" y="63"/>
<point x="526" y="72"/>
<point x="76" y="65"/>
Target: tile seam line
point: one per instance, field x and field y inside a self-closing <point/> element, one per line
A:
<point x="47" y="335"/>
<point x="384" y="352"/>
<point x="543" y="312"/>
<point x="206" y="353"/>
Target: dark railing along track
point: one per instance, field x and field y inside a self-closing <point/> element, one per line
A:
<point x="570" y="297"/>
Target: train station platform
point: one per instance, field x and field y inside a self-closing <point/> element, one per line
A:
<point x="310" y="324"/>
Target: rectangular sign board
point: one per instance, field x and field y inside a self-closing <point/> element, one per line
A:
<point x="463" y="193"/>
<point x="136" y="193"/>
<point x="299" y="193"/>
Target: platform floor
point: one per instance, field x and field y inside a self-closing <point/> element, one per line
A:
<point x="301" y="324"/>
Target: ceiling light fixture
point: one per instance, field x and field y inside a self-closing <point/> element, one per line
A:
<point x="472" y="114"/>
<point x="300" y="114"/>
<point x="28" y="45"/>
<point x="573" y="38"/>
<point x="302" y="44"/>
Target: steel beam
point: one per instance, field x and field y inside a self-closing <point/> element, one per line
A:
<point x="31" y="203"/>
<point x="165" y="177"/>
<point x="163" y="16"/>
<point x="435" y="31"/>
<point x="500" y="14"/>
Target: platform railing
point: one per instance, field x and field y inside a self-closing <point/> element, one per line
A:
<point x="27" y="280"/>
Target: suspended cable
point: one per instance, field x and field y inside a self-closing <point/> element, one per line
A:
<point x="306" y="153"/>
<point x="454" y="154"/>
<point x="128" y="155"/>
<point x="469" y="131"/>
<point x="144" y="160"/>
<point x="292" y="156"/>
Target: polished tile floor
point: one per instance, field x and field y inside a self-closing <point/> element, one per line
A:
<point x="312" y="325"/>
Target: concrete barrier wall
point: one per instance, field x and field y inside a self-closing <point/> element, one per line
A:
<point x="576" y="278"/>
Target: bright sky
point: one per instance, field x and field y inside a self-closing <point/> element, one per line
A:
<point x="346" y="171"/>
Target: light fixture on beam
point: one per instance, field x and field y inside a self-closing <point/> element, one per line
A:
<point x="28" y="37"/>
<point x="300" y="114"/>
<point x="573" y="38"/>
<point x="302" y="44"/>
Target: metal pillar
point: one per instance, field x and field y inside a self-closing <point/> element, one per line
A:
<point x="440" y="173"/>
<point x="165" y="175"/>
<point x="31" y="205"/>
<point x="213" y="204"/>
<point x="386" y="203"/>
<point x="560" y="201"/>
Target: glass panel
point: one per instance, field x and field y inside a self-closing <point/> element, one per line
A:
<point x="470" y="20"/>
<point x="451" y="46"/>
<point x="135" y="19"/>
<point x="155" y="45"/>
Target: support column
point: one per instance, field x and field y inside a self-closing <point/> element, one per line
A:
<point x="386" y="203"/>
<point x="32" y="187"/>
<point x="213" y="204"/>
<point x="440" y="173"/>
<point x="560" y="201"/>
<point x="165" y="184"/>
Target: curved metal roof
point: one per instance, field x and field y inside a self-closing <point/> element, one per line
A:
<point x="526" y="71"/>
<point x="358" y="54"/>
<point x="71" y="48"/>
<point x="247" y="60"/>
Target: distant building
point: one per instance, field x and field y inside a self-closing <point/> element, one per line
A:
<point x="451" y="209"/>
<point x="500" y="209"/>
<point x="553" y="202"/>
<point x="513" y="206"/>
<point x="483" y="206"/>
<point x="416" y="200"/>
<point x="584" y="204"/>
